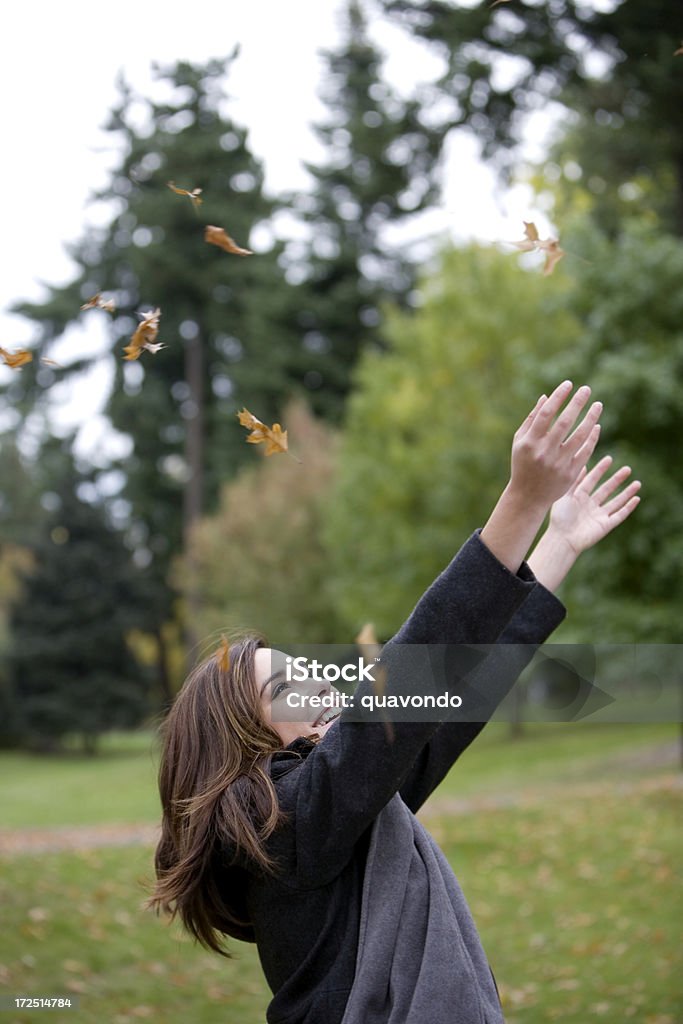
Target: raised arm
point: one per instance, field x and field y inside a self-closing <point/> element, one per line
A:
<point x="337" y="792"/>
<point x="581" y="518"/>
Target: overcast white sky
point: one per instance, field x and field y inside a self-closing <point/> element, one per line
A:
<point x="58" y="65"/>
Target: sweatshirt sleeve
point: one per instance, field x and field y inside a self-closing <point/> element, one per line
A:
<point x="531" y="626"/>
<point x="334" y="795"/>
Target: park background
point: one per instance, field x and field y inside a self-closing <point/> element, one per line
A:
<point x="400" y="347"/>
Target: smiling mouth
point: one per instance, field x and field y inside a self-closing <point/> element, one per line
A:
<point x="327" y="716"/>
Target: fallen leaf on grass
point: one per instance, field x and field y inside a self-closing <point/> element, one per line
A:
<point x="97" y="302"/>
<point x="194" y="195"/>
<point x="219" y="237"/>
<point x="274" y="438"/>
<point x="534" y="243"/>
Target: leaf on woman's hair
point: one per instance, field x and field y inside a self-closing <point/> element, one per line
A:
<point x="145" y="335"/>
<point x="16" y="359"/>
<point x="97" y="302"/>
<point x="532" y="242"/>
<point x="274" y="438"/>
<point x="193" y="195"/>
<point x="223" y="655"/>
<point x="219" y="237"/>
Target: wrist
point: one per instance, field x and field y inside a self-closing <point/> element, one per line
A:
<point x="552" y="559"/>
<point x="518" y="496"/>
<point x="512" y="526"/>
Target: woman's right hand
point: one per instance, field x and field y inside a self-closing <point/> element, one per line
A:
<point x="548" y="456"/>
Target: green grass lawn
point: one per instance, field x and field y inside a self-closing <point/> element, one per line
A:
<point x="119" y="784"/>
<point x="575" y="891"/>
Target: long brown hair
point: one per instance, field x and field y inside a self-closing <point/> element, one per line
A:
<point x="216" y="794"/>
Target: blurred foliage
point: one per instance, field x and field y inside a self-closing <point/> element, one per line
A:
<point x="613" y="66"/>
<point x="69" y="668"/>
<point x="626" y="296"/>
<point x="426" y="445"/>
<point x="258" y="563"/>
<point x="379" y="170"/>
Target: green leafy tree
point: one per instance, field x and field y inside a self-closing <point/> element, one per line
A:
<point x="614" y="68"/>
<point x="380" y="169"/>
<point x="426" y="445"/>
<point x="259" y="558"/>
<point x="69" y="667"/>
<point x="626" y="298"/>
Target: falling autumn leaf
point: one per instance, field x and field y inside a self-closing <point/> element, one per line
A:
<point x="534" y="243"/>
<point x="223" y="655"/>
<point x="372" y="649"/>
<point x="145" y="336"/>
<point x="218" y="236"/>
<point x="97" y="302"/>
<point x="194" y="195"/>
<point x="274" y="438"/>
<point x="16" y="359"/>
<point x="368" y="638"/>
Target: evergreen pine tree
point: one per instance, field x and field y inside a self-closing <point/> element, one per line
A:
<point x="69" y="667"/>
<point x="380" y="170"/>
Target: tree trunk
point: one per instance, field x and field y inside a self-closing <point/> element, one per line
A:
<point x="163" y="674"/>
<point x="193" y="494"/>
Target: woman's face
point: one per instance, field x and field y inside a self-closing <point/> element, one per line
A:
<point x="287" y="704"/>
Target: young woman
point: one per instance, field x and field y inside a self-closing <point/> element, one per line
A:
<point x="301" y="836"/>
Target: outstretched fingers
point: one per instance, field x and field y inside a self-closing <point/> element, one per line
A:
<point x="611" y="484"/>
<point x="619" y="514"/>
<point x="582" y="434"/>
<point x="622" y="499"/>
<point x="549" y="409"/>
<point x="524" y="428"/>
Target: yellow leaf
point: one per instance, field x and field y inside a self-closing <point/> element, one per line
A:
<point x="219" y="237"/>
<point x="532" y="242"/>
<point x="274" y="438"/>
<point x="223" y="655"/>
<point x="194" y="195"/>
<point x="97" y="302"/>
<point x="145" y="335"/>
<point x="16" y="359"/>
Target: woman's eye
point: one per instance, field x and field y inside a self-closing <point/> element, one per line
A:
<point x="279" y="688"/>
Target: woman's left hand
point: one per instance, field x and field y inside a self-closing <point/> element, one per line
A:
<point x="584" y="515"/>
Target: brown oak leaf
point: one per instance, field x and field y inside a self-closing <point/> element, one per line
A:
<point x="223" y="655"/>
<point x="219" y="237"/>
<point x="193" y="195"/>
<point x="16" y="359"/>
<point x="145" y="335"/>
<point x="274" y="438"/>
<point x="97" y="302"/>
<point x="532" y="242"/>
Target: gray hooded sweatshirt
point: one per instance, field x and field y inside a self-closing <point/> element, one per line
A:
<point x="365" y="922"/>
